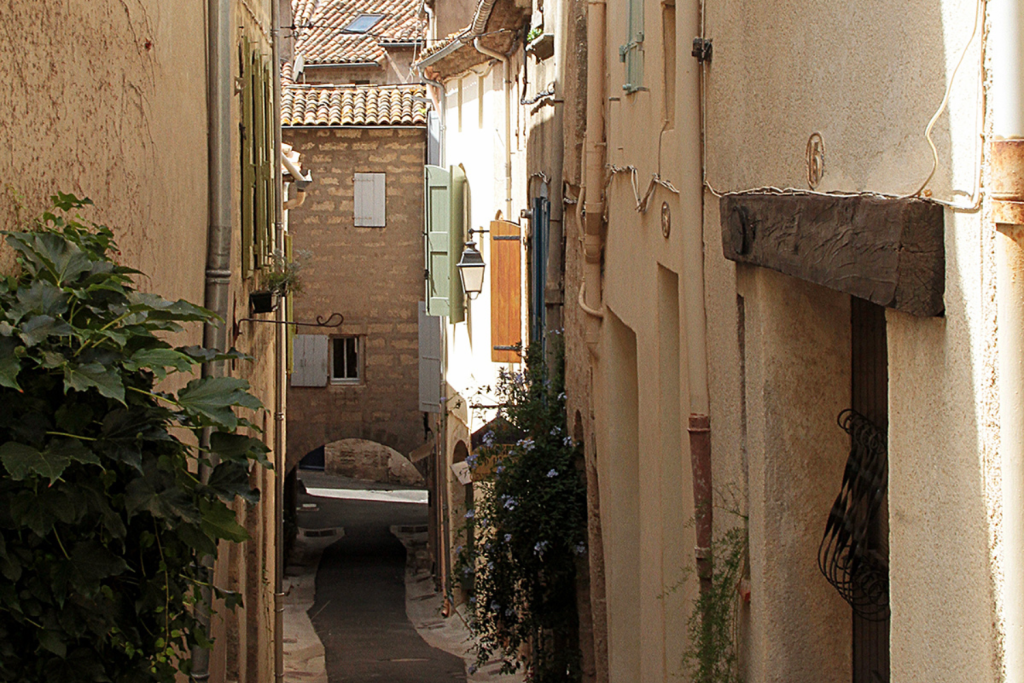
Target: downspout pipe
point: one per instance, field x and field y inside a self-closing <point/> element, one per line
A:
<point x="699" y="424"/>
<point x="441" y="103"/>
<point x="1006" y="168"/>
<point x="591" y="201"/>
<point x="218" y="244"/>
<point x="280" y="349"/>
<point x="506" y="73"/>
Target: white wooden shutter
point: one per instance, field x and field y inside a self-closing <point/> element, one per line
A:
<point x="369" y="200"/>
<point x="430" y="361"/>
<point x="311" y="363"/>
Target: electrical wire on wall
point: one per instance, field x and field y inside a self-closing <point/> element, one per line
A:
<point x="976" y="195"/>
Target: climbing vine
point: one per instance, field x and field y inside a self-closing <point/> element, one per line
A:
<point x="529" y="530"/>
<point x="104" y="522"/>
<point x="711" y="653"/>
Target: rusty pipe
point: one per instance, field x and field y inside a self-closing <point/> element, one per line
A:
<point x="700" y="460"/>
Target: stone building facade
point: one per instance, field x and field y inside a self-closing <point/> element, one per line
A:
<point x="373" y="276"/>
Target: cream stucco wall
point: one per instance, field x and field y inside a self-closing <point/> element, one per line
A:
<point x="867" y="77"/>
<point x="782" y="72"/>
<point x="107" y="100"/>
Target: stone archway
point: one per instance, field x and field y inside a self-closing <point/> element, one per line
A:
<point x="370" y="461"/>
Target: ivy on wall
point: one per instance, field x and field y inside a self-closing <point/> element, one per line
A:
<point x="103" y="520"/>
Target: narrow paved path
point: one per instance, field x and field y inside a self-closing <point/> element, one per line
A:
<point x="359" y="613"/>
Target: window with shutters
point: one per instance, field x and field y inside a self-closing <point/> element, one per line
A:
<point x="370" y="200"/>
<point x="346" y="357"/>
<point x="632" y="53"/>
<point x="257" y="162"/>
<point x="506" y="292"/>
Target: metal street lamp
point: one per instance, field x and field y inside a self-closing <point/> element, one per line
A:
<point x="471" y="270"/>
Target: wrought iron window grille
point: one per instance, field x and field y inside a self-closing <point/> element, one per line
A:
<point x="848" y="556"/>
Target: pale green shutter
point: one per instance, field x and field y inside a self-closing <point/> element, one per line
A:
<point x="437" y="188"/>
<point x="456" y="241"/>
<point x="632" y="53"/>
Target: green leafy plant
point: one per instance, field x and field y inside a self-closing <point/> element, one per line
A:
<point x="711" y="655"/>
<point x="529" y="530"/>
<point x="284" y="274"/>
<point x="104" y="521"/>
<point x="534" y="33"/>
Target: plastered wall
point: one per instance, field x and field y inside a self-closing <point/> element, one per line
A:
<point x="107" y="100"/>
<point x="780" y="73"/>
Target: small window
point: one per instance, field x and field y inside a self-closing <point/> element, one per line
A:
<point x="369" y="200"/>
<point x="363" y="23"/>
<point x="345" y="360"/>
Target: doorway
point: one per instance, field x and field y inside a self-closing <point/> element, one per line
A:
<point x="870" y="398"/>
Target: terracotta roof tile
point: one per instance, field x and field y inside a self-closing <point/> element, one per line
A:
<point x="352" y="105"/>
<point x="320" y="29"/>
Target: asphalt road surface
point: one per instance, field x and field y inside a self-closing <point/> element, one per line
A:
<point x="359" y="613"/>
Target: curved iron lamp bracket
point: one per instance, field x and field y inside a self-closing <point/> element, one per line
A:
<point x="328" y="322"/>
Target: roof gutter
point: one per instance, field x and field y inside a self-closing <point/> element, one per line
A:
<point x="340" y="65"/>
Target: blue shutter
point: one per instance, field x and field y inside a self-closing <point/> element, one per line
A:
<point x="539" y="266"/>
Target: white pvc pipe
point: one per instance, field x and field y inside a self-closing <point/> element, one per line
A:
<point x="1006" y="40"/>
<point x="508" y="121"/>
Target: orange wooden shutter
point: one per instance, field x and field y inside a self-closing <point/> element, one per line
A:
<point x="506" y="288"/>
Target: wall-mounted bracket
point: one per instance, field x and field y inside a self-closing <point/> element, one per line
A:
<point x="328" y="322"/>
<point x="702" y="49"/>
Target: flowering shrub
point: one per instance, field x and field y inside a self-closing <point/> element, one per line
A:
<point x="530" y="525"/>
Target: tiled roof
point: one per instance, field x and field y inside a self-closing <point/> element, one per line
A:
<point x="321" y="23"/>
<point x="352" y="105"/>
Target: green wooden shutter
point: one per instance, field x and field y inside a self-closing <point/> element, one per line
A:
<point x="248" y="163"/>
<point x="632" y="52"/>
<point x="437" y="187"/>
<point x="456" y="242"/>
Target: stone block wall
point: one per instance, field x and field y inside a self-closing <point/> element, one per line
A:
<point x="372" y="276"/>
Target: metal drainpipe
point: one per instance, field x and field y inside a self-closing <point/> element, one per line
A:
<point x="218" y="254"/>
<point x="443" y="101"/>
<point x="1007" y="186"/>
<point x="699" y="424"/>
<point x="591" y="201"/>
<point x="280" y="333"/>
<point x="506" y="72"/>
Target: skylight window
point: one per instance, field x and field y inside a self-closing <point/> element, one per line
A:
<point x="363" y="23"/>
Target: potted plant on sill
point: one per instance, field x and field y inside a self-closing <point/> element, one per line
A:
<point x="281" y="278"/>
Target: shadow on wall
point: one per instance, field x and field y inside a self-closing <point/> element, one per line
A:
<point x="369" y="461"/>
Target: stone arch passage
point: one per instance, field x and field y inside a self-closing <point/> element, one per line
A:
<point x="370" y="461"/>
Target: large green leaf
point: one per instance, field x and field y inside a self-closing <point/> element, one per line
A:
<point x="90" y="375"/>
<point x="50" y="256"/>
<point x="158" y="360"/>
<point x="94" y="562"/>
<point x="39" y="327"/>
<point x="41" y="298"/>
<point x="212" y="398"/>
<point x="239" y="447"/>
<point x="21" y="461"/>
<point x="231" y="479"/>
<point x="10" y="366"/>
<point x="219" y="521"/>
